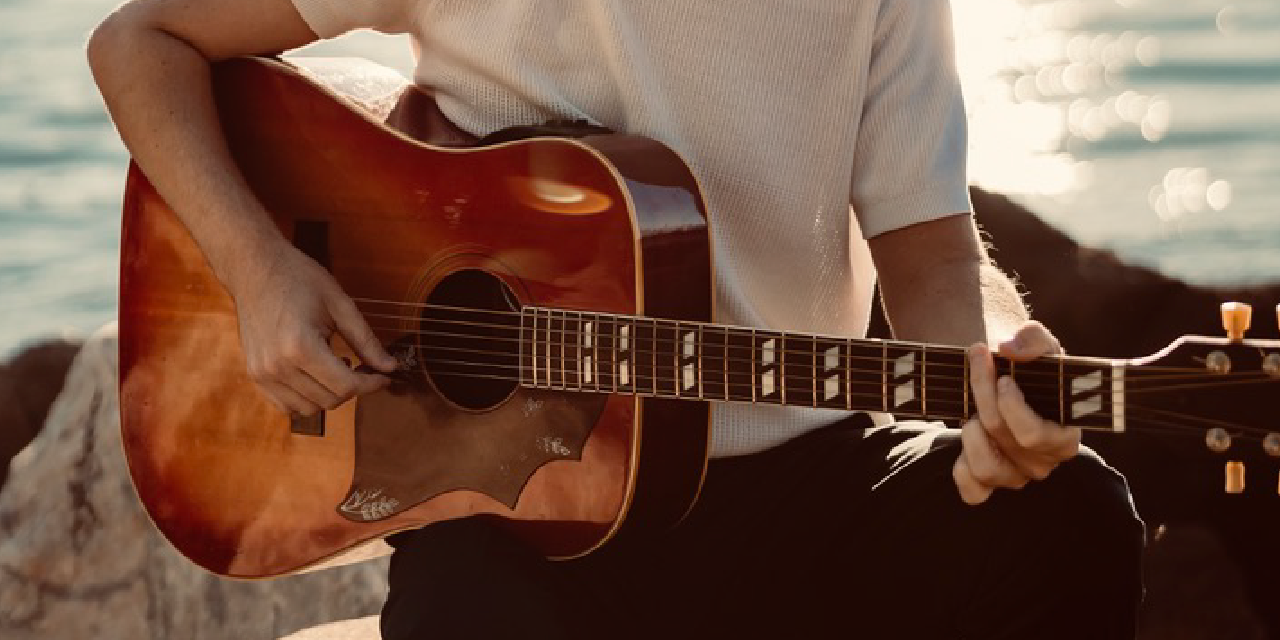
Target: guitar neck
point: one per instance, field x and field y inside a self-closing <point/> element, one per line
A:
<point x="607" y="353"/>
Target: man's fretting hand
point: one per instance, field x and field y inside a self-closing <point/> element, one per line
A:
<point x="287" y="313"/>
<point x="1007" y="444"/>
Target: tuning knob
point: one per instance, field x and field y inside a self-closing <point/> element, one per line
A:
<point x="1235" y="477"/>
<point x="1235" y="319"/>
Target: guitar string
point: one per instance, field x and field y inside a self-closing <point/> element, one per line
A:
<point x="670" y="370"/>
<point x="577" y="383"/>
<point x="1022" y="373"/>
<point x="648" y="324"/>
<point x="1242" y="432"/>
<point x="1026" y="366"/>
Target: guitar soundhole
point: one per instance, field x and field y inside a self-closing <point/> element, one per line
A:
<point x="470" y="339"/>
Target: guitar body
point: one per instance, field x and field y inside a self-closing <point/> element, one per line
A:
<point x="610" y="224"/>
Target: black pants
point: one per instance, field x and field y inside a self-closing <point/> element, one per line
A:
<point x="841" y="532"/>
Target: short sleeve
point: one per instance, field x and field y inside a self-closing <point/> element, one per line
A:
<point x="331" y="18"/>
<point x="909" y="163"/>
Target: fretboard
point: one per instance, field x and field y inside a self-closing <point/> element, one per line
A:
<point x="607" y="353"/>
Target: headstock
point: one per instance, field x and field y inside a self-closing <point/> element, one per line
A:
<point x="1223" y="389"/>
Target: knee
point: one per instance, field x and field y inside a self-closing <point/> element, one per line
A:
<point x="1086" y="504"/>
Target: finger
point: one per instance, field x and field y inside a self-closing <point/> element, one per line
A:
<point x="986" y="463"/>
<point x="1029" y="342"/>
<point x="1032" y="464"/>
<point x="336" y="375"/>
<point x="287" y="400"/>
<point x="971" y="491"/>
<point x="304" y="385"/>
<point x="1030" y="430"/>
<point x="982" y="380"/>
<point x="355" y="330"/>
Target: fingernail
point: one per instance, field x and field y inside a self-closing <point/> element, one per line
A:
<point x="1005" y="383"/>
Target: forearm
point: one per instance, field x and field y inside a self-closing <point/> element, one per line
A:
<point x="151" y="62"/>
<point x="157" y="89"/>
<point x="956" y="303"/>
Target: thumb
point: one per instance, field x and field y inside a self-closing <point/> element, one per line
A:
<point x="355" y="330"/>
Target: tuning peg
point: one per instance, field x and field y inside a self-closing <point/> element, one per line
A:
<point x="1235" y="319"/>
<point x="1217" y="439"/>
<point x="1235" y="477"/>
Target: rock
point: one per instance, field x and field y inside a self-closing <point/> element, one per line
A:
<point x="80" y="559"/>
<point x="28" y="385"/>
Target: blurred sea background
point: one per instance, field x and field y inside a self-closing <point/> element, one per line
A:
<point x="1148" y="127"/>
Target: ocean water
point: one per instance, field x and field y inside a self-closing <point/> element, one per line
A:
<point x="1149" y="127"/>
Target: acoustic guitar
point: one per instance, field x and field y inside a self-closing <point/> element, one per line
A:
<point x="549" y="300"/>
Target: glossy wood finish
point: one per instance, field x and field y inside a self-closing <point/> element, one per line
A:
<point x="219" y="469"/>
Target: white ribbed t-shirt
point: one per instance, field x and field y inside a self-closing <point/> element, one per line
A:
<point x="791" y="113"/>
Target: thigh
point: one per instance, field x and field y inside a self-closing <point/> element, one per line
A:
<point x="469" y="579"/>
<point x="1059" y="558"/>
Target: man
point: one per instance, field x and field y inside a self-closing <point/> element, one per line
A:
<point x="788" y="113"/>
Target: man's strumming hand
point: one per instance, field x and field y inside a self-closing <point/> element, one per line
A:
<point x="1007" y="444"/>
<point x="287" y="312"/>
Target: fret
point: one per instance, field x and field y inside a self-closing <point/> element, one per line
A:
<point x="781" y="350"/>
<point x="884" y="375"/>
<point x="726" y="364"/>
<point x="740" y="369"/>
<point x="605" y="356"/>
<point x="666" y="354"/>
<point x="689" y="359"/>
<point x="1037" y="379"/>
<point x="555" y="352"/>
<point x="714" y="366"/>
<point x="865" y="374"/>
<point x="677" y="382"/>
<point x="529" y="347"/>
<point x="645" y="357"/>
<point x="572" y="344"/>
<point x="766" y="365"/>
<point x="623" y="356"/>
<point x="945" y="383"/>
<point x="590" y="343"/>
<point x="831" y="375"/>
<point x="924" y="380"/>
<point x="797" y="370"/>
<point x="1062" y="393"/>
<point x="1089" y="396"/>
<point x="813" y="375"/>
<point x="903" y="366"/>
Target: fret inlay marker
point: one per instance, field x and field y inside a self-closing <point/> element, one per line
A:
<point x="902" y="367"/>
<point x="588" y="338"/>
<point x="624" y="359"/>
<point x="831" y="362"/>
<point x="688" y="349"/>
<point x="1117" y="398"/>
<point x="768" y="356"/>
<point x="1089" y="383"/>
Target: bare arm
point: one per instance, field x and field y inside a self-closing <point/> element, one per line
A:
<point x="151" y="62"/>
<point x="939" y="286"/>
